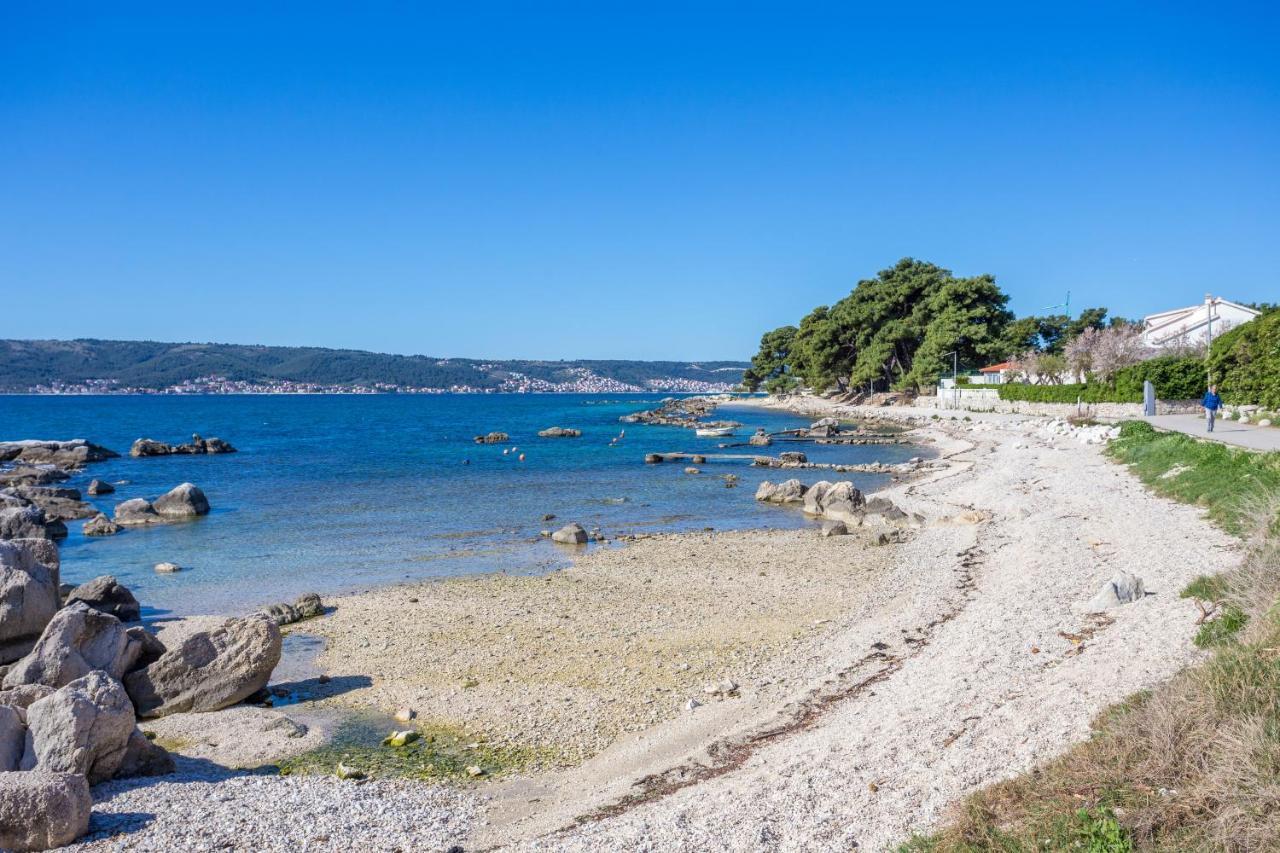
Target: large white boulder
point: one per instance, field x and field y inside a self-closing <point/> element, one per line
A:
<point x="41" y="810"/>
<point x="83" y="727"/>
<point x="209" y="670"/>
<point x="28" y="594"/>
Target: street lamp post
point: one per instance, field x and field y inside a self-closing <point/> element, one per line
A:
<point x="955" y="389"/>
<point x="1208" y="310"/>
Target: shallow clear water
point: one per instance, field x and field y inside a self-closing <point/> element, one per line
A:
<point x="332" y="493"/>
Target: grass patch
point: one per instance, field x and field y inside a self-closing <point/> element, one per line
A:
<point x="1193" y="764"/>
<point x="441" y="753"/>
<point x="1227" y="481"/>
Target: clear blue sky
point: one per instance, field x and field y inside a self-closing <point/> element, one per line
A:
<point x="554" y="181"/>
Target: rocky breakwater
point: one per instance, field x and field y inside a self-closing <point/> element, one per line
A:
<point x="181" y="503"/>
<point x="76" y="680"/>
<point x="197" y="446"/>
<point x="687" y="412"/>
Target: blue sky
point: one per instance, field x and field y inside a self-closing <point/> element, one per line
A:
<point x="651" y="181"/>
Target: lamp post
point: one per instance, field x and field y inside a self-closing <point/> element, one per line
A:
<point x="955" y="389"/>
<point x="1208" y="310"/>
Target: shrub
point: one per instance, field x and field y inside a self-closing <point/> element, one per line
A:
<point x="1245" y="362"/>
<point x="1174" y="377"/>
<point x="1089" y="392"/>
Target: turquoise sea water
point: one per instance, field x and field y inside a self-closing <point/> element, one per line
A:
<point x="332" y="493"/>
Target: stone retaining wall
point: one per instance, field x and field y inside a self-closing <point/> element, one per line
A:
<point x="988" y="400"/>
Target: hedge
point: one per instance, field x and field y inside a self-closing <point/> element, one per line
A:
<point x="1090" y="393"/>
<point x="1175" y="378"/>
<point x="1245" y="362"/>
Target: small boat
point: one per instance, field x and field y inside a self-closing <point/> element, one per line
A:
<point x="713" y="432"/>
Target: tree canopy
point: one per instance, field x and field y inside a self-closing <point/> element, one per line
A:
<point x="900" y="328"/>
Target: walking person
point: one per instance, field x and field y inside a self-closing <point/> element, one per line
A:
<point x="1211" y="402"/>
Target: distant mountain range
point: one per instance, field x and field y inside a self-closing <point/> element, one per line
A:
<point x="96" y="366"/>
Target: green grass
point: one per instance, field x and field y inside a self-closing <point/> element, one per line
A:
<point x="1224" y="480"/>
<point x="441" y="753"/>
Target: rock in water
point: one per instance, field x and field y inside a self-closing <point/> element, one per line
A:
<point x="793" y="456"/>
<point x="210" y="670"/>
<point x="559" y="432"/>
<point x="107" y="595"/>
<point x="493" y="438"/>
<point x="40" y="810"/>
<point x="306" y="607"/>
<point x="82" y="728"/>
<point x="100" y="525"/>
<point x="28" y="522"/>
<point x="167" y="568"/>
<point x="184" y="501"/>
<point x="1123" y="588"/>
<point x="98" y="487"/>
<point x="28" y="594"/>
<point x="570" y="534"/>
<point x="77" y="641"/>
<point x="792" y="491"/>
<point x="136" y="512"/>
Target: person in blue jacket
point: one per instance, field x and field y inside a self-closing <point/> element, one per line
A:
<point x="1212" y="403"/>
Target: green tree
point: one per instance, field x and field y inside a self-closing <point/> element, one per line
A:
<point x="772" y="360"/>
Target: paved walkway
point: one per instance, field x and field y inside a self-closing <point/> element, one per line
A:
<point x="1227" y="432"/>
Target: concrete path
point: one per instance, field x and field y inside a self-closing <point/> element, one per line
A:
<point x="1227" y="432"/>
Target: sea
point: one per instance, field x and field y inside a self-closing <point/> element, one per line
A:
<point x="334" y="493"/>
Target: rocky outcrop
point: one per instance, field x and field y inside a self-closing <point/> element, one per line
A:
<point x="570" y="534"/>
<point x="197" y="446"/>
<point x="100" y="525"/>
<point x="209" y="670"/>
<point x="493" y="438"/>
<point x="792" y="457"/>
<point x="560" y="432"/>
<point x="84" y="727"/>
<point x="28" y="594"/>
<point x="760" y="439"/>
<point x="791" y="491"/>
<point x="77" y="641"/>
<point x="40" y="810"/>
<point x="306" y="607"/>
<point x="63" y="454"/>
<point x="107" y="595"/>
<point x="180" y="503"/>
<point x="32" y="475"/>
<point x="57" y="502"/>
<point x="835" y="501"/>
<point x="29" y="522"/>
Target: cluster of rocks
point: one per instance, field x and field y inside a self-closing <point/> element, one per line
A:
<point x="1085" y="434"/>
<point x="182" y="502"/>
<point x="306" y="607"/>
<point x="76" y="680"/>
<point x="760" y="439"/>
<point x="560" y="432"/>
<point x="493" y="438"/>
<point x="687" y="412"/>
<point x="65" y="455"/>
<point x="839" y="504"/>
<point x="197" y="445"/>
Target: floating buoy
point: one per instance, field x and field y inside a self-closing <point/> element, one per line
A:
<point x="505" y="451"/>
<point x="521" y="457"/>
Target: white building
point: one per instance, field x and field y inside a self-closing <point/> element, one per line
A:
<point x="1195" y="324"/>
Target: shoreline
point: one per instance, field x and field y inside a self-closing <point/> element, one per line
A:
<point x="872" y="686"/>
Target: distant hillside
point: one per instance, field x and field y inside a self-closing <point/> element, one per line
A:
<point x="104" y="366"/>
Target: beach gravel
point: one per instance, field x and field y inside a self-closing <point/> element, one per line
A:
<point x="205" y="807"/>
